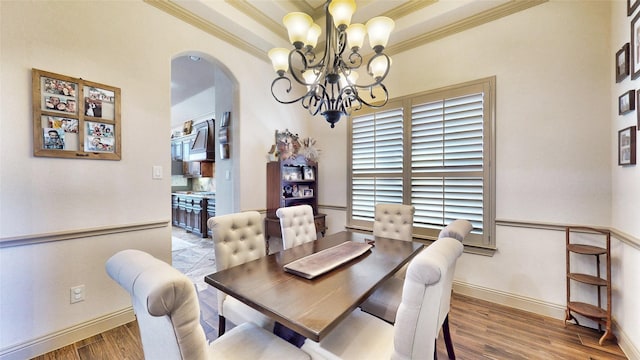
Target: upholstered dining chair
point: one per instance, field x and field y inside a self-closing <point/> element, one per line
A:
<point x="238" y="238"/>
<point x="363" y="336"/>
<point x="166" y="306"/>
<point x="297" y="225"/>
<point x="384" y="302"/>
<point x="393" y="221"/>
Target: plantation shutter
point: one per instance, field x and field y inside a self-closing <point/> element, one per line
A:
<point x="447" y="161"/>
<point x="376" y="162"/>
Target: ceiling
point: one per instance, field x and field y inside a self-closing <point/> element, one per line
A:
<point x="256" y="25"/>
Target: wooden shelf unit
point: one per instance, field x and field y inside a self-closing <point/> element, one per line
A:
<point x="279" y="179"/>
<point x="601" y="313"/>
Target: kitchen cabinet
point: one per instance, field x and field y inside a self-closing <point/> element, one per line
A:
<point x="176" y="149"/>
<point x="211" y="211"/>
<point x="198" y="169"/>
<point x="191" y="211"/>
<point x="204" y="144"/>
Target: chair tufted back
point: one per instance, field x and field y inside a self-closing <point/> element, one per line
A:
<point x="238" y="238"/>
<point x="165" y="303"/>
<point x="394" y="221"/>
<point x="457" y="229"/>
<point x="417" y="319"/>
<point x="297" y="225"/>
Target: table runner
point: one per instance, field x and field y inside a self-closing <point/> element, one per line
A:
<point x="323" y="261"/>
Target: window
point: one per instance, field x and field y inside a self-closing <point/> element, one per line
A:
<point x="432" y="150"/>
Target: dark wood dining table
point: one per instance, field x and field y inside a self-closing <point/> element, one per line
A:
<point x="312" y="308"/>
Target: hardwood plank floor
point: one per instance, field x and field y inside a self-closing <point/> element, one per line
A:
<point x="479" y="329"/>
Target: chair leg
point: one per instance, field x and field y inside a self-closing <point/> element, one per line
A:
<point x="435" y="350"/>
<point x="447" y="338"/>
<point x="222" y="322"/>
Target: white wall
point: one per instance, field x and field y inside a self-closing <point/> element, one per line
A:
<point x="107" y="43"/>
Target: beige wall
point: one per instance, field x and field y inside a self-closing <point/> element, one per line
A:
<point x="127" y="44"/>
<point x="555" y="101"/>
<point x="555" y="106"/>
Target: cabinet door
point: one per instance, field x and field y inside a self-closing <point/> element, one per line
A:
<point x="175" y="211"/>
<point x="176" y="150"/>
<point x="196" y="214"/>
<point x="203" y="145"/>
<point x="186" y="147"/>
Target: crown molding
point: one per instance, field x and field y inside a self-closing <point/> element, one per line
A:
<point x="251" y="11"/>
<point x="408" y="8"/>
<point x="484" y="17"/>
<point x="206" y="26"/>
<point x="245" y="7"/>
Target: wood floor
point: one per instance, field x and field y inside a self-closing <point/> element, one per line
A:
<point x="479" y="329"/>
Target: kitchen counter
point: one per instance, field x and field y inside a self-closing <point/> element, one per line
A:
<point x="203" y="194"/>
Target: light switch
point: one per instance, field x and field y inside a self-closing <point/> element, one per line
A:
<point x="157" y="172"/>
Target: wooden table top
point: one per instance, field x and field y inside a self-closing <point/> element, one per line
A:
<point x="314" y="307"/>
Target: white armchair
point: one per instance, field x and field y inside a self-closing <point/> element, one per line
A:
<point x="297" y="225"/>
<point x="238" y="238"/>
<point x="363" y="336"/>
<point x="166" y="306"/>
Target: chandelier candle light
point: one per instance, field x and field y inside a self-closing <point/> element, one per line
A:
<point x="328" y="84"/>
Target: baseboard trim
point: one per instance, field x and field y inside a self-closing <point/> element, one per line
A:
<point x="511" y="300"/>
<point x="537" y="307"/>
<point x="625" y="343"/>
<point x="50" y="342"/>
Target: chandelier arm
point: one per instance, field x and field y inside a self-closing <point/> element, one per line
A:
<point x="378" y="80"/>
<point x="384" y="102"/>
<point x="288" y="91"/>
<point x="293" y="70"/>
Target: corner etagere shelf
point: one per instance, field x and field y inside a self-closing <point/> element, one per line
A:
<point x="599" y="313"/>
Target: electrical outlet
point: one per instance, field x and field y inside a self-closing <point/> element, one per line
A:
<point x="77" y="294"/>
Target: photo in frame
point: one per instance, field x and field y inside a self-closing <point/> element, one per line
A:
<point x="223" y="135"/>
<point x="307" y="173"/>
<point x="634" y="54"/>
<point x="186" y="127"/>
<point x="627" y="146"/>
<point x="66" y="111"/>
<point x="99" y="103"/>
<point x="627" y="102"/>
<point x="307" y="193"/>
<point x="622" y="63"/>
<point x="99" y="137"/>
<point x="60" y="133"/>
<point x="631" y="6"/>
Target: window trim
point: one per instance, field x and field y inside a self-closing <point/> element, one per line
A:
<point x="486" y="245"/>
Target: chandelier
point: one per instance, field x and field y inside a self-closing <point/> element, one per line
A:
<point x="329" y="84"/>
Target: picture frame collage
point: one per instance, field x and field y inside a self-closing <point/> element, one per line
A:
<point x="75" y="118"/>
<point x="627" y="64"/>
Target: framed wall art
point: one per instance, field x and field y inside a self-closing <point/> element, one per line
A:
<point x="75" y="118"/>
<point x="634" y="58"/>
<point x="627" y="102"/>
<point x="622" y="63"/>
<point x="627" y="146"/>
<point x="631" y="6"/>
